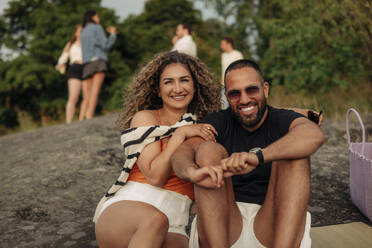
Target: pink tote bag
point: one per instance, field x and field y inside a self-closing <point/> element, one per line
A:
<point x="360" y="158"/>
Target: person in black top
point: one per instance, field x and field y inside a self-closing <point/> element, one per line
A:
<point x="252" y="185"/>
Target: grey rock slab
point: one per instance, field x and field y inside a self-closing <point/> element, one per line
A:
<point x="52" y="179"/>
<point x="78" y="235"/>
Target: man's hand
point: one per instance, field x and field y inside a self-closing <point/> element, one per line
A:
<point x="175" y="39"/>
<point x="239" y="163"/>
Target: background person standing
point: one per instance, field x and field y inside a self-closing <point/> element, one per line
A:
<point x="95" y="44"/>
<point x="183" y="42"/>
<point x="72" y="52"/>
<point x="228" y="56"/>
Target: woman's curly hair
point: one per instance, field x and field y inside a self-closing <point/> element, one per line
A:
<point x="142" y="93"/>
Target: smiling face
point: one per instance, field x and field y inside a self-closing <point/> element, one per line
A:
<point x="247" y="96"/>
<point x="176" y="87"/>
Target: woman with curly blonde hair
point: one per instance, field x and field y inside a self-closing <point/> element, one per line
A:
<point x="142" y="94"/>
<point x="148" y="206"/>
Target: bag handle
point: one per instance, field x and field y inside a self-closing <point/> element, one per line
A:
<point x="361" y="124"/>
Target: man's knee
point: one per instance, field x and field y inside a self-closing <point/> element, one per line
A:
<point x="293" y="166"/>
<point x="293" y="173"/>
<point x="210" y="153"/>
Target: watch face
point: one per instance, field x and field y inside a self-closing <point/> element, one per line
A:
<point x="258" y="152"/>
<point x="256" y="149"/>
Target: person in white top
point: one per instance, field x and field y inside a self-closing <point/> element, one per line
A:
<point x="73" y="53"/>
<point x="183" y="42"/>
<point x="228" y="56"/>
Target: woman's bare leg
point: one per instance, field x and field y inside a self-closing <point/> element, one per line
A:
<point x="97" y="79"/>
<point x="87" y="87"/>
<point x="131" y="224"/>
<point x="74" y="86"/>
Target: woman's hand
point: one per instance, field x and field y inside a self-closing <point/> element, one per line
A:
<point x="111" y="30"/>
<point x="209" y="177"/>
<point x="316" y="117"/>
<point x="61" y="68"/>
<point x="206" y="131"/>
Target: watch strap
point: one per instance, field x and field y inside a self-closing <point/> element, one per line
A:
<point x="259" y="155"/>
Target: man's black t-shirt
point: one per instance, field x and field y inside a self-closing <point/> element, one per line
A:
<point x="251" y="187"/>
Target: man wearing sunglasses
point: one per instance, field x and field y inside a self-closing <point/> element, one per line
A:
<point x="252" y="185"/>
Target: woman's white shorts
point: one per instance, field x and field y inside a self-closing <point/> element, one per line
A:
<point x="174" y="205"/>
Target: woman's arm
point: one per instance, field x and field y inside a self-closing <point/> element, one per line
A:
<point x="103" y="41"/>
<point x="155" y="163"/>
<point x="62" y="60"/>
<point x="64" y="56"/>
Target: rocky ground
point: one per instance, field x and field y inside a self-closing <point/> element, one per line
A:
<point x="52" y="178"/>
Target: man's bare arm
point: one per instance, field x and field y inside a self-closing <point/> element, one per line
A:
<point x="303" y="139"/>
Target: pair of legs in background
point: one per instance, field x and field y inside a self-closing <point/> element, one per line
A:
<point x="279" y="222"/>
<point x="91" y="88"/>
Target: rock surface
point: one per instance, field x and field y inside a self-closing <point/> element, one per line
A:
<point x="52" y="178"/>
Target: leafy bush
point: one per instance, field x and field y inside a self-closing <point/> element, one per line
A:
<point x="316" y="45"/>
<point x="8" y="118"/>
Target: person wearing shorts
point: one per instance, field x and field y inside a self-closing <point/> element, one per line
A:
<point x="95" y="45"/>
<point x="75" y="70"/>
<point x="148" y="205"/>
<point x="257" y="185"/>
<point x="72" y="52"/>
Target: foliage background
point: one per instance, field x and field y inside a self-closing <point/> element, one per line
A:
<point x="305" y="48"/>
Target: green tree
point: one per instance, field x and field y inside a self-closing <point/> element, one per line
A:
<point x="307" y="45"/>
<point x="151" y="32"/>
<point x="316" y="45"/>
<point x="236" y="20"/>
<point x="38" y="30"/>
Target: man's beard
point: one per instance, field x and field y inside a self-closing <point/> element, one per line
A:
<point x="252" y="123"/>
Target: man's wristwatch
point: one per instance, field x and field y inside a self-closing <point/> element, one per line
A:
<point x="258" y="152"/>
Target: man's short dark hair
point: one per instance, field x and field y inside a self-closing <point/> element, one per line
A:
<point x="187" y="26"/>
<point x="242" y="63"/>
<point x="228" y="40"/>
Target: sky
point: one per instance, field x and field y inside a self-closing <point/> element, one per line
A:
<point x="123" y="8"/>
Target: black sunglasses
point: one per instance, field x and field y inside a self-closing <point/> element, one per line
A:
<point x="234" y="95"/>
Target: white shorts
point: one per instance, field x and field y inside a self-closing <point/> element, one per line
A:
<point x="174" y="205"/>
<point x="247" y="237"/>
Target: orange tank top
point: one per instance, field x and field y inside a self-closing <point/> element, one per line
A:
<point x="174" y="183"/>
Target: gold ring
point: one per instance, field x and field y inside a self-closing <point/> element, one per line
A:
<point x="208" y="128"/>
